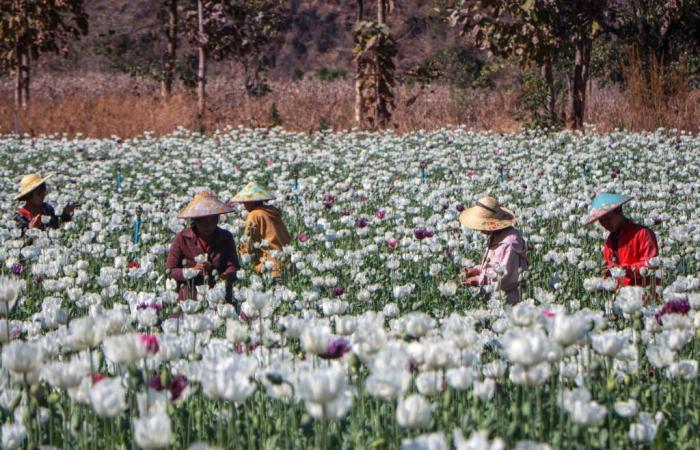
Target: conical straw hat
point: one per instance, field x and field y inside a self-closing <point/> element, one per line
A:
<point x="487" y="215"/>
<point x="29" y="183"/>
<point x="206" y="203"/>
<point x="604" y="203"/>
<point x="252" y="192"/>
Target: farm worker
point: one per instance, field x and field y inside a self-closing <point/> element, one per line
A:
<point x="36" y="213"/>
<point x="629" y="246"/>
<point x="265" y="232"/>
<point x="506" y="251"/>
<point x="204" y="247"/>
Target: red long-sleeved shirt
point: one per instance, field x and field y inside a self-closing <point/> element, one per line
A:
<point x="635" y="246"/>
<point x="221" y="253"/>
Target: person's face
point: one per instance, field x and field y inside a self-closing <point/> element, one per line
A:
<point x="37" y="196"/>
<point x="612" y="221"/>
<point x="205" y="226"/>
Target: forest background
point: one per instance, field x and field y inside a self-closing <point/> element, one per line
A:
<point x="111" y="67"/>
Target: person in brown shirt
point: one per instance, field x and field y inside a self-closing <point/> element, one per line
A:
<point x="203" y="253"/>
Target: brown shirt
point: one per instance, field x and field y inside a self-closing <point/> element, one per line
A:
<point x="221" y="255"/>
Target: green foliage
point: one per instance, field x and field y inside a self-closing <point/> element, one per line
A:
<point x="324" y="124"/>
<point x="39" y="26"/>
<point x="331" y="73"/>
<point x="297" y="75"/>
<point x="458" y="66"/>
<point x="248" y="31"/>
<point x="274" y="118"/>
<point x="531" y="103"/>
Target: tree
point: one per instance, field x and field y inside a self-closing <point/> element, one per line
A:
<point x="29" y="29"/>
<point x="538" y="32"/>
<point x="170" y="54"/>
<point x="244" y="30"/>
<point x="374" y="52"/>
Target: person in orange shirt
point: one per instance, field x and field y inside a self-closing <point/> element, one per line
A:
<point x="265" y="232"/>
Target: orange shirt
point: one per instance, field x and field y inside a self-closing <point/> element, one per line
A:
<point x="265" y="224"/>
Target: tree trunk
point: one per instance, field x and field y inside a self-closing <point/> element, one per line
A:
<point x="381" y="110"/>
<point x="582" y="59"/>
<point x="18" y="76"/>
<point x="359" y="113"/>
<point x="548" y="76"/>
<point x="25" y="78"/>
<point x="171" y="51"/>
<point x="201" y="71"/>
<point x="381" y="11"/>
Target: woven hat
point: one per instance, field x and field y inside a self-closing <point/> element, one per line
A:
<point x="29" y="183"/>
<point x="206" y="203"/>
<point x="252" y="192"/>
<point x="604" y="203"/>
<point x="487" y="215"/>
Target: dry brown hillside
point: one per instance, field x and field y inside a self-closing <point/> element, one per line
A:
<point x="319" y="35"/>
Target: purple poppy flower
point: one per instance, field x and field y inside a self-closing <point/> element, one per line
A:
<point x="178" y="385"/>
<point x="336" y="349"/>
<point x="459" y="207"/>
<point x="328" y="201"/>
<point x="392" y="244"/>
<point x="380" y="214"/>
<point x="338" y="291"/>
<point x="155" y="383"/>
<point x="361" y="222"/>
<point x="17" y="268"/>
<point x="302" y="237"/>
<point x="422" y="233"/>
<point x="681" y="306"/>
<point x="156" y="306"/>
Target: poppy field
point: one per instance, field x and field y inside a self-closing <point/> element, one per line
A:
<point x="368" y="340"/>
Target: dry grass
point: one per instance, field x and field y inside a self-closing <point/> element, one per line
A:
<point x="101" y="106"/>
<point x="655" y="98"/>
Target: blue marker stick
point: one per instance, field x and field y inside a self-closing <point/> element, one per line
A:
<point x="137" y="230"/>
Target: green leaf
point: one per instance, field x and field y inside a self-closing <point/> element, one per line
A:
<point x="377" y="443"/>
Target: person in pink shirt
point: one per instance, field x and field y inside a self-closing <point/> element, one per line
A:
<point x="506" y="251"/>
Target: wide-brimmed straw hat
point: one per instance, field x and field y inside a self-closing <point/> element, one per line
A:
<point x="487" y="215"/>
<point x="204" y="204"/>
<point x="253" y="192"/>
<point x="29" y="183"/>
<point x="604" y="203"/>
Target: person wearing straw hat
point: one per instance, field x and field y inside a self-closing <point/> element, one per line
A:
<point x="203" y="253"/>
<point x="629" y="246"/>
<point x="506" y="251"/>
<point x="265" y="232"/>
<point x="36" y="213"/>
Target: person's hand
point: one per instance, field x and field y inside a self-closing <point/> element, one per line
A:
<point x="470" y="272"/>
<point x="35" y="222"/>
<point x="472" y="281"/>
<point x="70" y="207"/>
<point x="203" y="267"/>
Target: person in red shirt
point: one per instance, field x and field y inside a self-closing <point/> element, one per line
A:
<point x="32" y="191"/>
<point x="205" y="248"/>
<point x="629" y="246"/>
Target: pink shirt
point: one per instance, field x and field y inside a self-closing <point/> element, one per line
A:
<point x="507" y="249"/>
